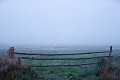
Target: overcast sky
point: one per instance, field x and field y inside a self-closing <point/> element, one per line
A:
<point x="60" y="22"/>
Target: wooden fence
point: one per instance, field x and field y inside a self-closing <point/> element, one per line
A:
<point x="12" y="52"/>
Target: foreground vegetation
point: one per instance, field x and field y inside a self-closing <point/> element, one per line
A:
<point x="85" y="72"/>
<point x="14" y="68"/>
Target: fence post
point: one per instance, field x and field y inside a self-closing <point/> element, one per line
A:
<point x="110" y="51"/>
<point x="12" y="59"/>
<point x="11" y="52"/>
<point x="103" y="63"/>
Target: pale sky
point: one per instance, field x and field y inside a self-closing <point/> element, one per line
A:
<point x="60" y="22"/>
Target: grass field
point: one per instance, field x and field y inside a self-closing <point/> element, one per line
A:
<point x="69" y="73"/>
<point x="88" y="72"/>
<point x="83" y="72"/>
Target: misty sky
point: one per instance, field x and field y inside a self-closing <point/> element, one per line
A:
<point x="60" y="22"/>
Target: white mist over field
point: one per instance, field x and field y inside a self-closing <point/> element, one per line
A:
<point x="60" y="22"/>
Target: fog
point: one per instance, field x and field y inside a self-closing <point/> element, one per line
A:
<point x="60" y="22"/>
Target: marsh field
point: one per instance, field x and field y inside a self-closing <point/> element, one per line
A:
<point x="82" y="72"/>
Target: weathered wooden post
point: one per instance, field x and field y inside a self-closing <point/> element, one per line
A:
<point x="110" y="54"/>
<point x="107" y="73"/>
<point x="110" y="51"/>
<point x="12" y="59"/>
<point x="11" y="52"/>
<point x="104" y="63"/>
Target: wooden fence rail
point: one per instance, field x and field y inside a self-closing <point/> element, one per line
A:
<point x="32" y="58"/>
<point x="63" y="54"/>
<point x="11" y="53"/>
